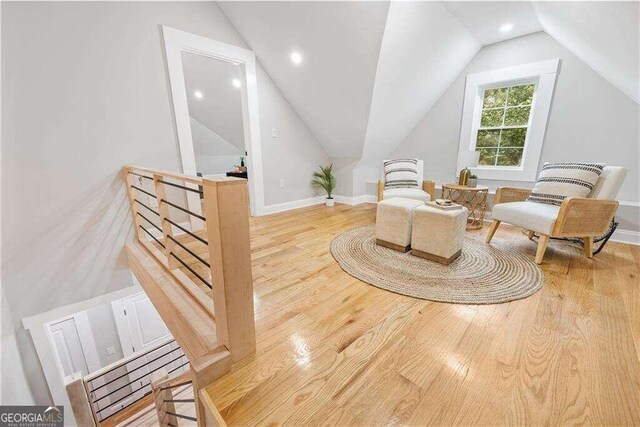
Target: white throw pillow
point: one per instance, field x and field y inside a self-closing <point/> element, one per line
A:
<point x="558" y="181"/>
<point x="401" y="173"/>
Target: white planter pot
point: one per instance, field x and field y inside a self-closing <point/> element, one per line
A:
<point x="472" y="182"/>
<point x="330" y="202"/>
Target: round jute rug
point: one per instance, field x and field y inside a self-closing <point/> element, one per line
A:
<point x="483" y="274"/>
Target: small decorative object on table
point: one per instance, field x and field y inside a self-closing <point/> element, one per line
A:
<point x="472" y="181"/>
<point x="324" y="179"/>
<point x="473" y="198"/>
<point x="466" y="160"/>
<point x="444" y="204"/>
<point x="242" y="167"/>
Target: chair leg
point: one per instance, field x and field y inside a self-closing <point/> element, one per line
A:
<point x="492" y="230"/>
<point x="531" y="234"/>
<point x="588" y="246"/>
<point x="542" y="247"/>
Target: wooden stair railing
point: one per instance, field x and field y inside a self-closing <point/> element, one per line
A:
<point x="196" y="273"/>
<point x="117" y="391"/>
<point x="164" y="389"/>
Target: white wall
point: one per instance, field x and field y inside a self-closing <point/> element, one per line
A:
<point x="13" y="381"/>
<point x="84" y="93"/>
<point x="105" y="333"/>
<point x="293" y="154"/>
<point x="590" y="119"/>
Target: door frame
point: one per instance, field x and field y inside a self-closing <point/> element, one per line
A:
<point x="176" y="41"/>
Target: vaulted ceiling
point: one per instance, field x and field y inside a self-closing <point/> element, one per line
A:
<point x="371" y="70"/>
<point x="339" y="42"/>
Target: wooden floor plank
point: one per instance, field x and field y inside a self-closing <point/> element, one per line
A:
<point x="332" y="350"/>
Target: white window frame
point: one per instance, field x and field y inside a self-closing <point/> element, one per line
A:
<point x="543" y="75"/>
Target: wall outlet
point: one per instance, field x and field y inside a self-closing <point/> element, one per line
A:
<point x="282" y="183"/>
<point x="274" y="133"/>
<point x="110" y="350"/>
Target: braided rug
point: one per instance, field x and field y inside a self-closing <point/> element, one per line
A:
<point x="483" y="274"/>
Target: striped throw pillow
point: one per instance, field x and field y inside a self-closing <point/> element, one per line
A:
<point x="558" y="181"/>
<point x="401" y="173"/>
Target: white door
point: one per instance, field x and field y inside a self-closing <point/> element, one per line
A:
<point x="68" y="348"/>
<point x="146" y="327"/>
<point x="142" y="329"/>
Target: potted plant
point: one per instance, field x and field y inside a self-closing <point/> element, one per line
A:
<point x="473" y="181"/>
<point x="324" y="179"/>
<point x="242" y="167"/>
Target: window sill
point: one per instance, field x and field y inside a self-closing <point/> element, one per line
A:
<point x="504" y="174"/>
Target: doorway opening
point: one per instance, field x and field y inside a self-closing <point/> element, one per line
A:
<point x="215" y="102"/>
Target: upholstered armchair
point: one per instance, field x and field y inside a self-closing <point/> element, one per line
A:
<point x="425" y="194"/>
<point x="583" y="217"/>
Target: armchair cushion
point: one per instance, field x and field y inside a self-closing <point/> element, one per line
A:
<point x="538" y="217"/>
<point x="407" y="193"/>
<point x="558" y="181"/>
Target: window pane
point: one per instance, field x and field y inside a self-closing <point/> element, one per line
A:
<point x="509" y="156"/>
<point x="512" y="137"/>
<point x="518" y="116"/>
<point x="491" y="118"/>
<point x="495" y="98"/>
<point x="487" y="156"/>
<point x="521" y="95"/>
<point x="488" y="138"/>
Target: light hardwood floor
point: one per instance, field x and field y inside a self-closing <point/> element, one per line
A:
<point x="333" y="350"/>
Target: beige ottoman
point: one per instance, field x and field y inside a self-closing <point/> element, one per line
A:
<point x="393" y="222"/>
<point x="437" y="234"/>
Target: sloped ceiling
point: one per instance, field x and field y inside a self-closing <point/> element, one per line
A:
<point x="220" y="108"/>
<point x="423" y="50"/>
<point x="371" y="70"/>
<point x="605" y="35"/>
<point x="484" y="18"/>
<point x="339" y="42"/>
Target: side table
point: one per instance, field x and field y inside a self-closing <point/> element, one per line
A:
<point x="473" y="198"/>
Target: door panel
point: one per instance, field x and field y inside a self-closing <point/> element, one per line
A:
<point x="145" y="323"/>
<point x="147" y="330"/>
<point x="68" y="348"/>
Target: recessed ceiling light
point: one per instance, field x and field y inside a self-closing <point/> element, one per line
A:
<point x="198" y="94"/>
<point x="296" y="58"/>
<point x="506" y="28"/>
<point x="236" y="83"/>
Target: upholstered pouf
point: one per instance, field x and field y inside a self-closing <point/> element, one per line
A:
<point x="393" y="222"/>
<point x="437" y="234"/>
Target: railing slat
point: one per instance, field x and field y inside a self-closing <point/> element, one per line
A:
<point x="167" y="230"/>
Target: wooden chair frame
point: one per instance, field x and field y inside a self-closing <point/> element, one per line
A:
<point x="578" y="217"/>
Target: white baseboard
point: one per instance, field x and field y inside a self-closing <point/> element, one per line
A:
<point x="311" y="201"/>
<point x="296" y="204"/>
<point x="364" y="198"/>
<point x="626" y="236"/>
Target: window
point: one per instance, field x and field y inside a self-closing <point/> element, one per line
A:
<point x="504" y="122"/>
<point x="504" y="118"/>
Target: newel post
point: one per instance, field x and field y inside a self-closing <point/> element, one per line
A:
<point x="227" y="211"/>
<point x="82" y="410"/>
<point x="162" y="398"/>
